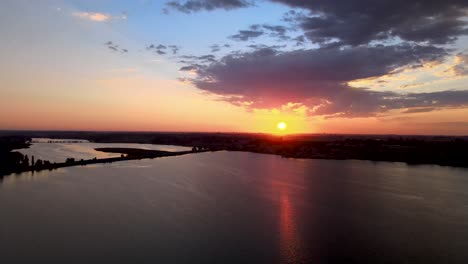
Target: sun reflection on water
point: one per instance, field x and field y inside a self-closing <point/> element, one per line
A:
<point x="290" y="242"/>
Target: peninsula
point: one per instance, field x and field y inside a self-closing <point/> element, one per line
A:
<point x="19" y="163"/>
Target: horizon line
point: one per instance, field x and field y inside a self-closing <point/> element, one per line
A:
<point x="232" y="132"/>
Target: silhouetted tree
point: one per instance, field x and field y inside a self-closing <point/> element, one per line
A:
<point x="39" y="163"/>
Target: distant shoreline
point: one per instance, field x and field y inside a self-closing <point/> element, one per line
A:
<point x="412" y="150"/>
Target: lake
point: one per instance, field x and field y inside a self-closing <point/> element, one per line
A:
<point x="235" y="207"/>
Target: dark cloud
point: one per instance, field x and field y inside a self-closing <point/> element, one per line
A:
<point x="206" y="58"/>
<point x="190" y="6"/>
<point x="317" y="78"/>
<point x="276" y="31"/>
<point x="162" y="49"/>
<point x="245" y="35"/>
<point x="215" y="48"/>
<point x="174" y="48"/>
<point x="196" y="63"/>
<point x="188" y="57"/>
<point x="193" y="67"/>
<point x="300" y="40"/>
<point x="321" y="64"/>
<point x="114" y="47"/>
<point x="358" y="22"/>
<point x="348" y="33"/>
<point x="262" y="48"/>
<point x="361" y="103"/>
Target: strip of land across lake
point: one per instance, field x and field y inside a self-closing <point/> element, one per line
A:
<point x="126" y="154"/>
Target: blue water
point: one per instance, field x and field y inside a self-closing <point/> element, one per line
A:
<point x="234" y="207"/>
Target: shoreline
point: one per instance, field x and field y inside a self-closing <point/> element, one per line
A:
<point x="446" y="151"/>
<point x="127" y="154"/>
<point x="139" y="154"/>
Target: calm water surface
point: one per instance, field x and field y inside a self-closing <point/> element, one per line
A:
<point x="233" y="207"/>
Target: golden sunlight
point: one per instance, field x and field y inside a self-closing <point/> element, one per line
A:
<point x="281" y="126"/>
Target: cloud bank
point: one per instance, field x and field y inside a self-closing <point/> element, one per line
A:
<point x="356" y="39"/>
<point x="317" y="78"/>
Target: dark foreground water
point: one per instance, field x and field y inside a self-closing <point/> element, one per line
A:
<point x="230" y="207"/>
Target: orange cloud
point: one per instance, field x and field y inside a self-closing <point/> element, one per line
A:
<point x="98" y="17"/>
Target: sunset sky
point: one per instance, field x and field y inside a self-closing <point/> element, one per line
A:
<point x="324" y="66"/>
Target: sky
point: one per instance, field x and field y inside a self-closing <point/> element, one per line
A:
<point x="323" y="66"/>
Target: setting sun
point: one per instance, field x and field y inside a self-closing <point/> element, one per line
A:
<point x="281" y="125"/>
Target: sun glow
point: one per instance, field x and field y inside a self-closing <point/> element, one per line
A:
<point x="281" y="126"/>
